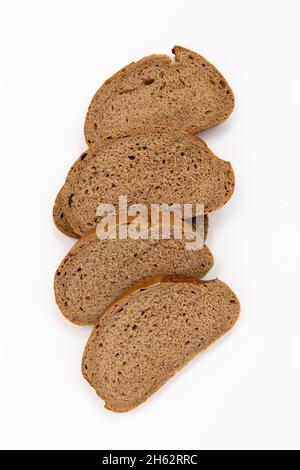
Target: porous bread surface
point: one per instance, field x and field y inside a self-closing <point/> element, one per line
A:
<point x="190" y="94"/>
<point x="149" y="334"/>
<point x="60" y="218"/>
<point x="150" y="165"/>
<point x="95" y="271"/>
<point x="64" y="225"/>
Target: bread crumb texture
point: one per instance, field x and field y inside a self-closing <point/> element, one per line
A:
<point x="189" y="93"/>
<point x="149" y="334"/>
<point x="95" y="272"/>
<point x="152" y="165"/>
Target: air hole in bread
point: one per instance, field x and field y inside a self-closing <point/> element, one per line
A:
<point x="70" y="200"/>
<point x="124" y="92"/>
<point x="148" y="81"/>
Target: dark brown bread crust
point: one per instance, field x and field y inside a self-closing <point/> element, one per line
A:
<point x="189" y="93"/>
<point x="211" y="327"/>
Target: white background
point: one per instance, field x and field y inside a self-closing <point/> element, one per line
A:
<point x="244" y="392"/>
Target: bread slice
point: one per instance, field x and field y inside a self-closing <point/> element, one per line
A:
<point x="189" y="93"/>
<point x="96" y="271"/>
<point x="62" y="223"/>
<point x="151" y="332"/>
<point x="60" y="218"/>
<point x="151" y="165"/>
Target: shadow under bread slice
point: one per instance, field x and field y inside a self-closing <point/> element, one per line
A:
<point x="151" y="332"/>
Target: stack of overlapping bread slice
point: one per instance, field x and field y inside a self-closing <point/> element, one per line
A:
<point x="150" y="309"/>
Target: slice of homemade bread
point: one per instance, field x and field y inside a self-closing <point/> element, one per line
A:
<point x="63" y="224"/>
<point x="96" y="271"/>
<point x="151" y="165"/>
<point x="60" y="218"/>
<point x="189" y="93"/>
<point x="151" y="332"/>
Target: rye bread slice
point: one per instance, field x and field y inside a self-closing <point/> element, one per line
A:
<point x="153" y="331"/>
<point x="60" y="219"/>
<point x="150" y="165"/>
<point x="190" y="94"/>
<point x="96" y="271"/>
<point x="63" y="224"/>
